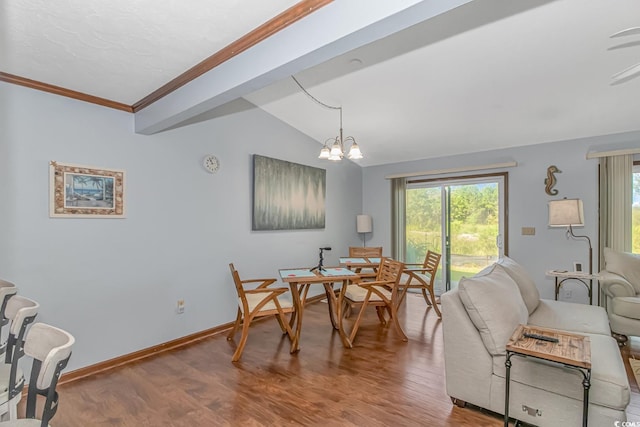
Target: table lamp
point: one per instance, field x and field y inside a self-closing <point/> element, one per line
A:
<point x="364" y="225"/>
<point x="569" y="213"/>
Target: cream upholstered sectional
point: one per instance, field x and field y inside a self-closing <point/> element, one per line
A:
<point x="478" y="319"/>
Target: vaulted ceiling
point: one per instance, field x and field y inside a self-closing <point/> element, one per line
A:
<point x="414" y="82"/>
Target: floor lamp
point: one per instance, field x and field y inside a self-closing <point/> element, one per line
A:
<point x="364" y="225"/>
<point x="569" y="213"/>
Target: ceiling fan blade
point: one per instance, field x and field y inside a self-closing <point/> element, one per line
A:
<point x="627" y="73"/>
<point x="627" y="32"/>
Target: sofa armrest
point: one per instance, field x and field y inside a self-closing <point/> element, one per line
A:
<point x="468" y="364"/>
<point x="568" y="316"/>
<point x="614" y="285"/>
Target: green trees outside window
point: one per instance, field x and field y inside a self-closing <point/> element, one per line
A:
<point x="471" y="218"/>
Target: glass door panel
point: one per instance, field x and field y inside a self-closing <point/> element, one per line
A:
<point x="474" y="229"/>
<point x="461" y="219"/>
<point x="424" y="227"/>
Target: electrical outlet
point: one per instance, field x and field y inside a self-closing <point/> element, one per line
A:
<point x="180" y="306"/>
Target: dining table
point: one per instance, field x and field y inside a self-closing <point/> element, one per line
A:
<point x="301" y="279"/>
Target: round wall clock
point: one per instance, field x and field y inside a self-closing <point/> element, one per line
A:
<point x="211" y="163"/>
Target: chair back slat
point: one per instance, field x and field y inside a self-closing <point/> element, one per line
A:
<point x="237" y="281"/>
<point x="21" y="311"/>
<point x="423" y="278"/>
<point x="50" y="349"/>
<point x="431" y="262"/>
<point x="365" y="251"/>
<point x="390" y="271"/>
<point x="7" y="290"/>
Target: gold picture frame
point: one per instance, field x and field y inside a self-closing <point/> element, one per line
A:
<point x="85" y="191"/>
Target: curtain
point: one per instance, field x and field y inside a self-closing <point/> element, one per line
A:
<point x="616" y="193"/>
<point x="398" y="218"/>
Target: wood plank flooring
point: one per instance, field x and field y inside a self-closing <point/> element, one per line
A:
<point x="382" y="381"/>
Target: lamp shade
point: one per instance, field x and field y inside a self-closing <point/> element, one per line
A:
<point x="566" y="212"/>
<point x="364" y="224"/>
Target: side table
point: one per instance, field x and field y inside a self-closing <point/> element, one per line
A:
<point x="586" y="279"/>
<point x="571" y="350"/>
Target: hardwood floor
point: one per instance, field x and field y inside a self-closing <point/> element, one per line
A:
<point x="382" y="381"/>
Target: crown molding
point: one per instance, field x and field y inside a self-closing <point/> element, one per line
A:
<point x="281" y="21"/>
<point x="57" y="90"/>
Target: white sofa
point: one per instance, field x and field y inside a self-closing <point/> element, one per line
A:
<point x="620" y="283"/>
<point x="478" y="319"/>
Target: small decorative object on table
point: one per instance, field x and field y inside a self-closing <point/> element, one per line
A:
<point x="319" y="267"/>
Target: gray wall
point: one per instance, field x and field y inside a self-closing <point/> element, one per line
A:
<point x="548" y="249"/>
<point x="114" y="283"/>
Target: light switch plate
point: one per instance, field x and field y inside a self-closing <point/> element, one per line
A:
<point x="528" y="231"/>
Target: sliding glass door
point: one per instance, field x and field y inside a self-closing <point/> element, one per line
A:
<point x="463" y="219"/>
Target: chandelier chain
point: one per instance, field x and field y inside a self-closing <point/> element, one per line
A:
<point x="314" y="98"/>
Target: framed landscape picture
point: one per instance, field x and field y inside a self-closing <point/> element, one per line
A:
<point x="287" y="196"/>
<point x="85" y="191"/>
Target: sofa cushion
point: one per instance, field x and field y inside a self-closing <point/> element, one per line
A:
<point x="528" y="288"/>
<point x="570" y="317"/>
<point x="624" y="264"/>
<point x="626" y="307"/>
<point x="494" y="304"/>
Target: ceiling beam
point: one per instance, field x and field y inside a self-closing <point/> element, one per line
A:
<point x="269" y="28"/>
<point x="333" y="30"/>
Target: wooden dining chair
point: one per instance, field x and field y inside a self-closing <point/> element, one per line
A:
<point x="422" y="276"/>
<point x="258" y="301"/>
<point x="381" y="293"/>
<point x="366" y="252"/>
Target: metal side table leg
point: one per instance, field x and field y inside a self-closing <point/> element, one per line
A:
<point x="586" y="383"/>
<point x="507" y="364"/>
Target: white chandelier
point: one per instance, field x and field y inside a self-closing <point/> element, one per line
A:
<point x="334" y="148"/>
